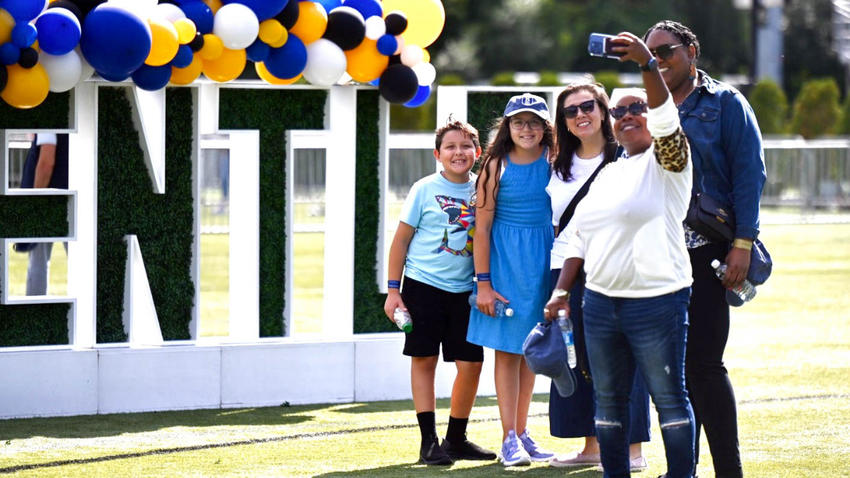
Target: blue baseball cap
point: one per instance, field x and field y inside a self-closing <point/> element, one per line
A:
<point x="546" y="354"/>
<point x="527" y="102"/>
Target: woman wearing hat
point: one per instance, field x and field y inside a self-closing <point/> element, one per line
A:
<point x="628" y="236"/>
<point x="513" y="236"/>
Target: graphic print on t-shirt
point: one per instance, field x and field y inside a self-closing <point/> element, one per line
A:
<point x="463" y="218"/>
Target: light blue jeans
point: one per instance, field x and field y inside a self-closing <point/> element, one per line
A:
<point x="38" y="270"/>
<point x="650" y="334"/>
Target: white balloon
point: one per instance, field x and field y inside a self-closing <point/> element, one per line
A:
<point x="411" y="55"/>
<point x="64" y="71"/>
<point x="375" y="27"/>
<point x="344" y="79"/>
<point x="168" y="11"/>
<point x="326" y="63"/>
<point x="425" y="73"/>
<point x="236" y="25"/>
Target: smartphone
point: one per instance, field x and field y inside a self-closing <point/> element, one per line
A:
<point x="600" y="44"/>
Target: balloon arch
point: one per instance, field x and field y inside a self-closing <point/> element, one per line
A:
<point x="53" y="45"/>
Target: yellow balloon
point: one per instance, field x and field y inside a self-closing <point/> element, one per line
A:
<point x="186" y="30"/>
<point x="213" y="4"/>
<point x="212" y="47"/>
<point x="312" y="22"/>
<point x="271" y="31"/>
<point x="25" y="87"/>
<point x="425" y="19"/>
<point x="426" y="57"/>
<point x="365" y="63"/>
<point x="164" y="42"/>
<point x="266" y="76"/>
<point x="7" y="23"/>
<point x="228" y="66"/>
<point x="281" y="41"/>
<point x="185" y="76"/>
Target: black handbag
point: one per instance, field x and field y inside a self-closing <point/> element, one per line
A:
<point x="710" y="219"/>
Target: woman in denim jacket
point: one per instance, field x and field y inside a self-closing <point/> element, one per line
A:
<point x="728" y="165"/>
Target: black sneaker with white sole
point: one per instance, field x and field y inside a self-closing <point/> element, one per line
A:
<point x="466" y="450"/>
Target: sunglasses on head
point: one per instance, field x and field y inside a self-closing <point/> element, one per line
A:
<point x="664" y="51"/>
<point x="586" y="108"/>
<point x="634" y="109"/>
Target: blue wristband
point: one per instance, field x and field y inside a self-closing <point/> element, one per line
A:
<point x="393" y="284"/>
<point x="483" y="277"/>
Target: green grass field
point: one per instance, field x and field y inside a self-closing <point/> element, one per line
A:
<point x="788" y="356"/>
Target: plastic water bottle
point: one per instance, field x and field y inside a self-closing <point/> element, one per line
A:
<point x="402" y="320"/>
<point x="502" y="309"/>
<point x="567" y="330"/>
<point x="746" y="290"/>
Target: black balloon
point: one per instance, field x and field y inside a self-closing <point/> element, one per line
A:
<point x="29" y="57"/>
<point x="396" y="23"/>
<point x="395" y="59"/>
<point x="197" y="43"/>
<point x="4" y="75"/>
<point x="345" y="27"/>
<point x="289" y="15"/>
<point x="398" y="84"/>
<point x="70" y="6"/>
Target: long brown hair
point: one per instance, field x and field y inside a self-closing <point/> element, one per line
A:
<point x="566" y="142"/>
<point x="498" y="148"/>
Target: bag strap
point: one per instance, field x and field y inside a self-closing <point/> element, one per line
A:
<point x="571" y="207"/>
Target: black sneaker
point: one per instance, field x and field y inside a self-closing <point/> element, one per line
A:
<point x="430" y="453"/>
<point x="466" y="450"/>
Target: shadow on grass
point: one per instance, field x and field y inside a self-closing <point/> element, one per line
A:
<point x="407" y="405"/>
<point x="485" y="470"/>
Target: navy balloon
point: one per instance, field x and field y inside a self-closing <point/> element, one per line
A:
<point x="258" y="51"/>
<point x="184" y="57"/>
<point x="200" y="14"/>
<point x="289" y="15"/>
<point x="346" y="28"/>
<point x="398" y="84"/>
<point x="9" y="53"/>
<point x="289" y="60"/>
<point x="263" y="9"/>
<point x="421" y="97"/>
<point x="367" y="8"/>
<point x="152" y="78"/>
<point x="115" y="42"/>
<point x="58" y="31"/>
<point x="4" y="75"/>
<point x="396" y="23"/>
<point x="29" y="57"/>
<point x="113" y="77"/>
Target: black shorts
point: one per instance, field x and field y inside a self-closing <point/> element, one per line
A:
<point x="438" y="317"/>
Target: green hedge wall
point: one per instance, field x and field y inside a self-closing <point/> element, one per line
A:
<point x="164" y="223"/>
<point x="272" y="112"/>
<point x="34" y="216"/>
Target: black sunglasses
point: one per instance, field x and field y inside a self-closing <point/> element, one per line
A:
<point x="586" y="108"/>
<point x="664" y="51"/>
<point x="634" y="109"/>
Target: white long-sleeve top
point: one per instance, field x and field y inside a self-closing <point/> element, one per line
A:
<point x="628" y="229"/>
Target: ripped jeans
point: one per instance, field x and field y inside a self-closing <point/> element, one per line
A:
<point x="648" y="333"/>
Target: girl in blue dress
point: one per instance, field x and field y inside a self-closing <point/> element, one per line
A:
<point x="513" y="237"/>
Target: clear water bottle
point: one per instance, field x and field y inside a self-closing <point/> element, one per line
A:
<point x="746" y="290"/>
<point x="567" y="330"/>
<point x="402" y="320"/>
<point x="502" y="309"/>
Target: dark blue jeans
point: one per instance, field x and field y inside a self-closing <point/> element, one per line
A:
<point x="650" y="334"/>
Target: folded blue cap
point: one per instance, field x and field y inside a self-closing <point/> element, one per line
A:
<point x="546" y="354"/>
<point x="761" y="265"/>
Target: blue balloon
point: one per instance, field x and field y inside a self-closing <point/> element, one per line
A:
<point x="152" y="78"/>
<point x="258" y="51"/>
<point x="24" y="34"/>
<point x="367" y="8"/>
<point x="115" y="42"/>
<point x="422" y="95"/>
<point x="9" y="53"/>
<point x="58" y="31"/>
<point x="375" y="82"/>
<point x="263" y="9"/>
<point x="184" y="56"/>
<point x="387" y="45"/>
<point x="289" y="60"/>
<point x="200" y="13"/>
<point x="23" y="10"/>
<point x="114" y="77"/>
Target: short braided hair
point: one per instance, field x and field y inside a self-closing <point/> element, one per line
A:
<point x="683" y="33"/>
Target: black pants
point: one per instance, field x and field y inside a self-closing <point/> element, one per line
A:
<point x="709" y="387"/>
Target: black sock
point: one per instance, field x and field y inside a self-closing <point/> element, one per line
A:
<point x="426" y="424"/>
<point x="457" y="429"/>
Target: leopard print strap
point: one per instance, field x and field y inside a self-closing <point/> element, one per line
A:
<point x="672" y="152"/>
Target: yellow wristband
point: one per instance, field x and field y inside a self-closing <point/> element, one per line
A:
<point x="743" y="244"/>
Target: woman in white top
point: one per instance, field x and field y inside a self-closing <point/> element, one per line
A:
<point x="628" y="235"/>
<point x="584" y="144"/>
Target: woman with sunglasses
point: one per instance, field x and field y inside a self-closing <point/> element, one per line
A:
<point x="627" y="235"/>
<point x="728" y="166"/>
<point x="584" y="143"/>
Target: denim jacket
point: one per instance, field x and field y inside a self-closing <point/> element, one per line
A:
<point x="727" y="150"/>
